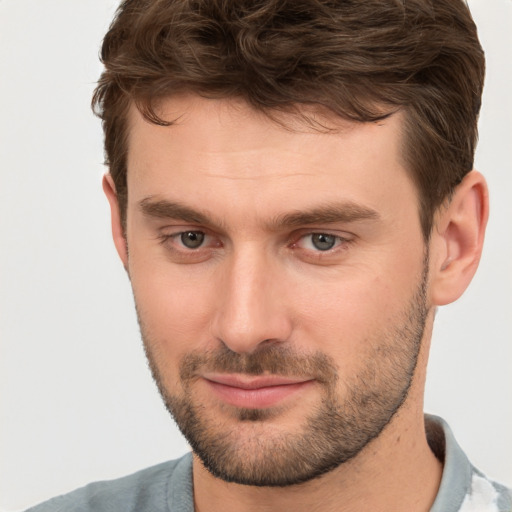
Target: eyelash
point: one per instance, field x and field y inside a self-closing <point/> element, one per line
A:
<point x="341" y="243"/>
<point x="168" y="239"/>
<point x="338" y="240"/>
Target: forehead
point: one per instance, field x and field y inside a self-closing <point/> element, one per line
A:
<point x="227" y="149"/>
<point x="232" y="121"/>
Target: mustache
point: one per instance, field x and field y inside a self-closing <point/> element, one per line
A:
<point x="270" y="359"/>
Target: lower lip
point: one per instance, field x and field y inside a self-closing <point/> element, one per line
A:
<point x="260" y="398"/>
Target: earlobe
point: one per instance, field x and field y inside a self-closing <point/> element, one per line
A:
<point x="457" y="239"/>
<point x="117" y="228"/>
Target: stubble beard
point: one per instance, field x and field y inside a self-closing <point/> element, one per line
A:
<point x="334" y="432"/>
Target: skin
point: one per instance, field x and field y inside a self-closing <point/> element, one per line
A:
<point x="256" y="283"/>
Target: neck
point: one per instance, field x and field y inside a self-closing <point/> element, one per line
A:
<point x="397" y="472"/>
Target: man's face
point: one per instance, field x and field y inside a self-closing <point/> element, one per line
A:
<point x="280" y="281"/>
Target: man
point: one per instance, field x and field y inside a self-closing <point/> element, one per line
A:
<point x="292" y="196"/>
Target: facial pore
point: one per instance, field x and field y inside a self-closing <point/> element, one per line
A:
<point x="339" y="427"/>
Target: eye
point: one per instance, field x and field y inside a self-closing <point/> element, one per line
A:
<point x="192" y="239"/>
<point x="323" y="241"/>
<point x="188" y="246"/>
<point x="320" y="242"/>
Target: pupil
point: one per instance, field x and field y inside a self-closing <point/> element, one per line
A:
<point x="323" y="242"/>
<point x="192" y="239"/>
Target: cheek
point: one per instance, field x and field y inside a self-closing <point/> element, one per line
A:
<point x="351" y="316"/>
<point x="174" y="311"/>
<point x="346" y="312"/>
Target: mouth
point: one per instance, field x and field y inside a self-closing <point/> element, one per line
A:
<point x="259" y="392"/>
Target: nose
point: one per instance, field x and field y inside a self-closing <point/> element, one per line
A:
<point x="251" y="308"/>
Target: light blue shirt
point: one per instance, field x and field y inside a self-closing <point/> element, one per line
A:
<point x="168" y="487"/>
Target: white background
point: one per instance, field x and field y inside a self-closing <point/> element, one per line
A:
<point x="77" y="402"/>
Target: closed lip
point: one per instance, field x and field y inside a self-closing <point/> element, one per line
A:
<point x="254" y="392"/>
<point x="254" y="382"/>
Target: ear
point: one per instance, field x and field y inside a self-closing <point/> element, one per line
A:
<point x="117" y="228"/>
<point x="457" y="239"/>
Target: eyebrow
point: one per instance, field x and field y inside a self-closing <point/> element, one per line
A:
<point x="164" y="209"/>
<point x="331" y="213"/>
<point x="346" y="212"/>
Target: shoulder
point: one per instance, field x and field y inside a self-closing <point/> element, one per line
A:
<point x="463" y="487"/>
<point x="486" y="495"/>
<point x="151" y="489"/>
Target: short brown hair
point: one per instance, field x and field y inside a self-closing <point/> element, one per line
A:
<point x="362" y="60"/>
